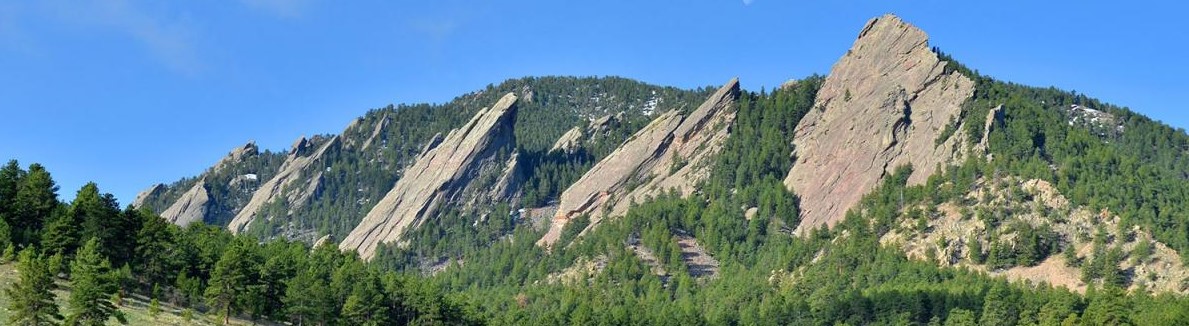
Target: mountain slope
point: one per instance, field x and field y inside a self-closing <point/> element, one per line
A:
<point x="219" y="193"/>
<point x="331" y="182"/>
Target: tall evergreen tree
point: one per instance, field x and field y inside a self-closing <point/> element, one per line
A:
<point x="960" y="317"/>
<point x="100" y="218"/>
<point x="61" y="234"/>
<point x="10" y="180"/>
<point x="234" y="274"/>
<point x="999" y="308"/>
<point x="366" y="304"/>
<point x="93" y="286"/>
<point x="31" y="297"/>
<point x="156" y="257"/>
<point x="307" y="300"/>
<point x="36" y="198"/>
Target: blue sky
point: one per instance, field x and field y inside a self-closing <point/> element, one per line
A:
<point x="131" y="93"/>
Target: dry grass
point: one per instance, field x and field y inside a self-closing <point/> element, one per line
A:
<point x="136" y="308"/>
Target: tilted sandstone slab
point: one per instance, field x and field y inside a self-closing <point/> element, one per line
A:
<point x="885" y="104"/>
<point x="442" y="174"/>
<point x="144" y="195"/>
<point x="568" y="141"/>
<point x="576" y="137"/>
<point x="190" y="207"/>
<point x="194" y="204"/>
<point x="299" y="166"/>
<point x="672" y="152"/>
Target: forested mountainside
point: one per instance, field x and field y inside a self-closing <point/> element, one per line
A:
<point x="327" y="184"/>
<point x="901" y="188"/>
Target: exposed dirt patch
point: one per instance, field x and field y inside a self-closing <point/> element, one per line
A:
<point x="1052" y="270"/>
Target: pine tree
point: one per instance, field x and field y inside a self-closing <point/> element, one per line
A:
<point x="35" y="200"/>
<point x="960" y="317"/>
<point x="234" y="273"/>
<point x="976" y="250"/>
<point x="156" y="249"/>
<point x="999" y="307"/>
<point x="306" y="298"/>
<point x="31" y="296"/>
<point x="61" y="236"/>
<point x="365" y="305"/>
<point x="10" y="180"/>
<point x="99" y="217"/>
<point x="9" y="254"/>
<point x="93" y="288"/>
<point x="5" y="233"/>
<point x="1107" y="307"/>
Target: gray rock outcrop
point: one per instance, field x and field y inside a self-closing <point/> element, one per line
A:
<point x="445" y="173"/>
<point x="190" y="207"/>
<point x="672" y="152"/>
<point x="568" y="141"/>
<point x="152" y="192"/>
<point x="299" y="166"/>
<point x="195" y="204"/>
<point x="576" y="137"/>
<point x="885" y="104"/>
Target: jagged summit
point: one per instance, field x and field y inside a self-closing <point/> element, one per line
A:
<point x="886" y="103"/>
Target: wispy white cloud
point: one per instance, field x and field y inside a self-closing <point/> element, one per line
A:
<point x="169" y="41"/>
<point x="282" y="8"/>
<point x="747" y="2"/>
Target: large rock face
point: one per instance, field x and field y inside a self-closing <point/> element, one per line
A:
<point x="445" y="173"/>
<point x="195" y="204"/>
<point x="299" y="166"/>
<point x="886" y="103"/>
<point x="672" y="152"/>
<point x="145" y="195"/>
<point x="191" y="207"/>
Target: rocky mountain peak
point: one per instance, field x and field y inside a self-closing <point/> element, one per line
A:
<point x="888" y="102"/>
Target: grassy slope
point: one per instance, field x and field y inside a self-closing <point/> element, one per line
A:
<point x="136" y="309"/>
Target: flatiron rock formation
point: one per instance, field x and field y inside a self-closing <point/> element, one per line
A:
<point x="888" y="102"/>
<point x="445" y="172"/>
<point x="672" y="152"/>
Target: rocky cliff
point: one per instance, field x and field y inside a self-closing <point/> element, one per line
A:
<point x="452" y="170"/>
<point x="672" y="152"/>
<point x="295" y="181"/>
<point x="196" y="204"/>
<point x="578" y="137"/>
<point x="191" y="207"/>
<point x="145" y="195"/>
<point x="888" y="102"/>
